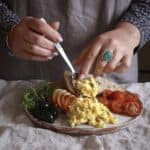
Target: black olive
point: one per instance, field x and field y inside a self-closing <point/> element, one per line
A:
<point x="54" y="112"/>
<point x="45" y="111"/>
<point x="50" y="118"/>
<point x="47" y="116"/>
<point x="44" y="105"/>
<point x="35" y="112"/>
<point x="44" y="115"/>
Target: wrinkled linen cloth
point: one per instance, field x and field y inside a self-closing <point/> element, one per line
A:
<point x="18" y="133"/>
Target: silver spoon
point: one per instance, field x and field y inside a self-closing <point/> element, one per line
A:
<point x="69" y="76"/>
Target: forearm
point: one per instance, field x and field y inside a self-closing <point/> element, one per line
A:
<point x="7" y="20"/>
<point x="139" y="15"/>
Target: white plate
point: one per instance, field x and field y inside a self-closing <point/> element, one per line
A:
<point x="61" y="126"/>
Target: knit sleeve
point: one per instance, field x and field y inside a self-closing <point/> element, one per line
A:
<point x="7" y="20"/>
<point x="139" y="15"/>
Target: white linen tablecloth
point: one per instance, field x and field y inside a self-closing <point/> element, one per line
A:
<point x="18" y="133"/>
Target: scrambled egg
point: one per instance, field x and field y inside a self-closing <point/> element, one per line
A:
<point x="87" y="87"/>
<point x="86" y="109"/>
<point x="89" y="111"/>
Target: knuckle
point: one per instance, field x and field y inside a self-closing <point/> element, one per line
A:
<point x="113" y="42"/>
<point x="51" y="45"/>
<point x="36" y="23"/>
<point x="127" y="64"/>
<point x="27" y="20"/>
<point x="36" y="39"/>
<point x="39" y="25"/>
<point x="18" y="29"/>
<point x="33" y="48"/>
<point x="92" y="55"/>
<point x="110" y="67"/>
<point x="101" y="38"/>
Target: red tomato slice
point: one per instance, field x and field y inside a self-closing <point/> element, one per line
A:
<point x="117" y="106"/>
<point x="131" y="96"/>
<point x="117" y="95"/>
<point x="104" y="101"/>
<point x="69" y="99"/>
<point x="106" y="93"/>
<point x="132" y="108"/>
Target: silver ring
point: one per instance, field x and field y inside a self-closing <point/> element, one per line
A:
<point x="107" y="55"/>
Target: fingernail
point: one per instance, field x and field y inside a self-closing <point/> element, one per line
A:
<point x="50" y="58"/>
<point x="81" y="76"/>
<point x="60" y="39"/>
<point x="43" y="20"/>
<point x="55" y="54"/>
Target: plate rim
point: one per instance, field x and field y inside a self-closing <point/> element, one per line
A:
<point x="79" y="130"/>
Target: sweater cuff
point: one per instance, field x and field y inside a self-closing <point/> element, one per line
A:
<point x="142" y="29"/>
<point x="138" y="15"/>
<point x="7" y="20"/>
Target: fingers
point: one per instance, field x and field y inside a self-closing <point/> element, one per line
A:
<point x="44" y="29"/>
<point x="124" y="64"/>
<point x="99" y="69"/>
<point x="88" y="58"/>
<point x="34" y="37"/>
<point x="53" y="55"/>
<point x="39" y="44"/>
<point x="55" y="25"/>
<point x="111" y="66"/>
<point x="39" y="40"/>
<point x="36" y="50"/>
<point x="100" y="63"/>
<point x="81" y="58"/>
<point x="27" y="56"/>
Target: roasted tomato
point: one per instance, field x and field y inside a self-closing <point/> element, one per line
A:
<point x="106" y="93"/>
<point x="131" y="97"/>
<point x="104" y="101"/>
<point x="121" y="102"/>
<point x="117" y="106"/>
<point x="132" y="108"/>
<point x="117" y="95"/>
<point x="103" y="97"/>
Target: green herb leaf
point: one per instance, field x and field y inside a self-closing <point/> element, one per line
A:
<point x="34" y="96"/>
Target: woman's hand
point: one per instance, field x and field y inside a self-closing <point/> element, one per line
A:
<point x="121" y="42"/>
<point x="33" y="39"/>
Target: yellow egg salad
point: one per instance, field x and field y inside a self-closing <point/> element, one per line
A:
<point x="87" y="87"/>
<point x="89" y="111"/>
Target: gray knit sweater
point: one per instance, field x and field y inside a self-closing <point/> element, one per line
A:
<point x="137" y="14"/>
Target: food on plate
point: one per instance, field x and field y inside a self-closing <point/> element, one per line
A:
<point x="35" y="100"/>
<point x="89" y="101"/>
<point x="62" y="98"/>
<point x="89" y="111"/>
<point x="121" y="102"/>
<point x="84" y="108"/>
<point x="87" y="87"/>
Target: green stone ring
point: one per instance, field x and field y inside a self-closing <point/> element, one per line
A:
<point x="107" y="56"/>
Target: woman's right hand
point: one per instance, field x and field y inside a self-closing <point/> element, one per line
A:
<point x="33" y="39"/>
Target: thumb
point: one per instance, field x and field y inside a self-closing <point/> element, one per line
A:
<point x="55" y="25"/>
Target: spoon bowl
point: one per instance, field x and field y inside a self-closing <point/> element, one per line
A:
<point x="70" y="81"/>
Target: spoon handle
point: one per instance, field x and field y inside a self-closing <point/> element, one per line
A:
<point x="62" y="52"/>
<point x="64" y="56"/>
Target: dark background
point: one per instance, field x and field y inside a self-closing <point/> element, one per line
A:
<point x="144" y="63"/>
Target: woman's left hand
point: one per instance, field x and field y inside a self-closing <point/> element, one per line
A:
<point x="119" y="42"/>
